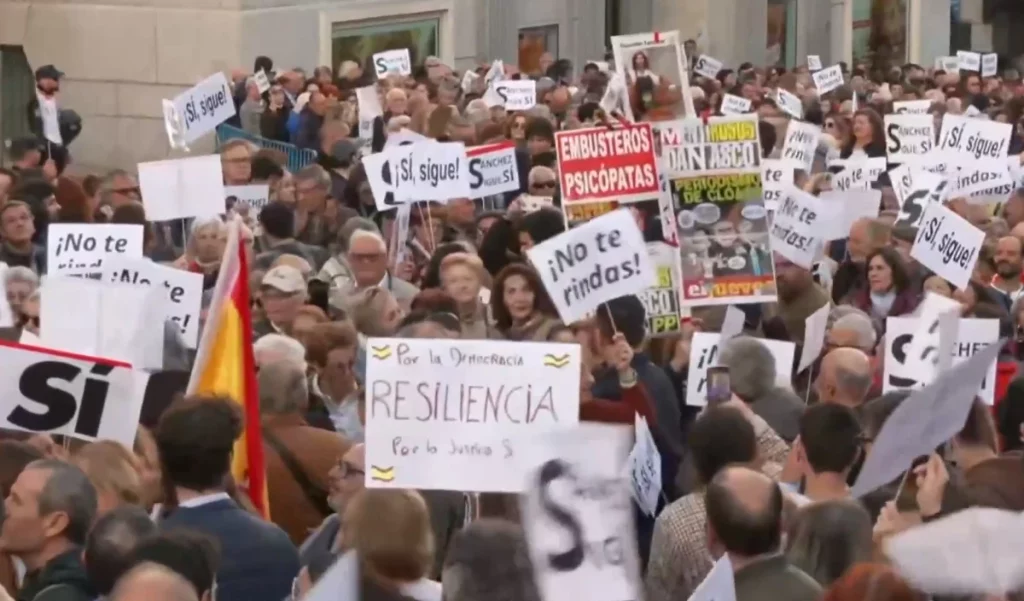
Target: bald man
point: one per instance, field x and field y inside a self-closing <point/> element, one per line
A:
<point x="152" y="582"/>
<point x="844" y="377"/>
<point x="1009" y="259"/>
<point x="744" y="509"/>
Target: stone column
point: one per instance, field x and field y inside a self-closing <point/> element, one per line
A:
<point x="502" y="30"/>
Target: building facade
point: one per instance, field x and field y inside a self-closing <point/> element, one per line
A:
<point x="122" y="57"/>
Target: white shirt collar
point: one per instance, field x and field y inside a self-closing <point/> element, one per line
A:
<point x="205" y="500"/>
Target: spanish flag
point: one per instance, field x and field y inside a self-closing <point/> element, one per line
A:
<point x="225" y="365"/>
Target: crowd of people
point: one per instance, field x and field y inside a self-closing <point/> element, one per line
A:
<point x="763" y="478"/>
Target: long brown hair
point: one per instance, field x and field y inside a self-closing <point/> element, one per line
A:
<point x="541" y="301"/>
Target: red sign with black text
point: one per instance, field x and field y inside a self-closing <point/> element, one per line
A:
<point x="602" y="164"/>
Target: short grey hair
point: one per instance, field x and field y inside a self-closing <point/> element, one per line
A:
<point x="283" y="389"/>
<point x="751" y="367"/>
<point x="538" y="171"/>
<point x="425" y="329"/>
<point x="68" y="491"/>
<point x="861" y="325"/>
<point x="201" y="223"/>
<point x="107" y="183"/>
<point x="368" y="234"/>
<point x="284" y="347"/>
<point x="20" y="274"/>
<point x="314" y="173"/>
<point x="353" y="225"/>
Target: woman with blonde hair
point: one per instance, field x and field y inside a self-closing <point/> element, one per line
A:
<point x="463" y="277"/>
<point x="374" y="311"/>
<point x="390" y="531"/>
<point x="113" y="471"/>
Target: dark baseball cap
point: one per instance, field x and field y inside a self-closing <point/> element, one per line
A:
<point x="48" y="72"/>
<point x="343" y="150"/>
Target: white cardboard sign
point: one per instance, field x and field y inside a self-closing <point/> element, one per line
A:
<point x="797" y="231"/>
<point x="182" y="188"/>
<point x="53" y="392"/>
<point x="577" y="515"/>
<point x="911" y="107"/>
<point x="814" y="62"/>
<point x="419" y="171"/>
<point x="858" y="174"/>
<point x="972" y="336"/>
<point x="603" y="259"/>
<point x="947" y="244"/>
<point x="458" y="414"/>
<point x="704" y="354"/>
<point x="982" y="179"/>
<point x="262" y="82"/>
<point x="776" y="179"/>
<point x="846" y="207"/>
<point x="908" y="136"/>
<point x="800" y="145"/>
<point x="202" y="108"/>
<point x="966" y="139"/>
<point x="827" y="80"/>
<point x="80" y="248"/>
<point x="922" y="189"/>
<point x="254" y="196"/>
<point x="789" y="103"/>
<point x="644" y="464"/>
<point x="949" y="64"/>
<point x="708" y="66"/>
<point x="989" y="65"/>
<point x="369" y="109"/>
<point x="493" y="169"/>
<point x="392" y="61"/>
<point x="968" y="61"/>
<point x="182" y="290"/>
<point x="735" y="105"/>
<point x="516" y="95"/>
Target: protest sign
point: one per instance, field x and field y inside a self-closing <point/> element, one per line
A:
<point x="776" y="177"/>
<point x="931" y="345"/>
<point x="827" y="80"/>
<point x="421" y="171"/>
<point x="496" y="72"/>
<point x="369" y="106"/>
<point x="254" y="196"/>
<point x="123" y="322"/>
<point x="972" y="336"/>
<point x="911" y="107"/>
<point x="182" y="188"/>
<point x="469" y="78"/>
<point x="923" y="189"/>
<point x="789" y="103"/>
<point x="201" y="109"/>
<point x="732" y="325"/>
<point x="593" y="263"/>
<point x="52" y="392"/>
<point x="800" y="144"/>
<point x="392" y="62"/>
<point x="661" y="301"/>
<point x="707" y="66"/>
<point x="796" y="231"/>
<point x="182" y="291"/>
<point x="719" y="584"/>
<point x="80" y="248"/>
<point x="947" y="244"/>
<point x="174" y="126"/>
<point x="457" y="414"/>
<point x="516" y="94"/>
<point x="846" y="207"/>
<point x="722" y="224"/>
<point x="644" y="465"/>
<point x="982" y="179"/>
<point x="857" y="174"/>
<point x="813" y="62"/>
<point x="340" y="582"/>
<point x="735" y="105"/>
<point x="968" y="61"/>
<point x="529" y="203"/>
<point x="923" y="421"/>
<point x="815" y="327"/>
<point x="949" y="64"/>
<point x="577" y="516"/>
<point x="492" y="169"/>
<point x="261" y="81"/>
<point x="704" y="349"/>
<point x="908" y="136"/>
<point x="966" y="139"/>
<point x="971" y="552"/>
<point x="598" y="164"/>
<point x="659" y="56"/>
<point x="989" y="65"/>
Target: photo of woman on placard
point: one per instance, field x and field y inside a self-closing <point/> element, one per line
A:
<point x="641" y="67"/>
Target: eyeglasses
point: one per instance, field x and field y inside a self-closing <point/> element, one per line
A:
<point x="544" y="184"/>
<point x="365" y="257"/>
<point x="130" y="191"/>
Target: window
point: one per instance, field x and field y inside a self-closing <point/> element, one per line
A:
<point x="781" y="32"/>
<point x="533" y="43"/>
<point x="360" y="43"/>
<point x="18" y="84"/>
<point x="880" y="32"/>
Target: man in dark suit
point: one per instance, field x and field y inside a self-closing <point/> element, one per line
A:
<point x="195" y="439"/>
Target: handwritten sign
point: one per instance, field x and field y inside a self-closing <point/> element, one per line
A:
<point x="392" y="62"/>
<point x="602" y="259"/>
<point x="183" y="290"/>
<point x="202" y="108"/>
<point x="704" y="349"/>
<point x="52" y="392"/>
<point x="908" y="136"/>
<point x="182" y="188"/>
<point x="577" y="516"/>
<point x="80" y="249"/>
<point x="598" y="164"/>
<point x="735" y="105"/>
<point x="947" y="244"/>
<point x="827" y="80"/>
<point x="858" y="174"/>
<point x="708" y="66"/>
<point x="456" y="414"/>
<point x="796" y="231"/>
<point x="800" y="144"/>
<point x="254" y="196"/>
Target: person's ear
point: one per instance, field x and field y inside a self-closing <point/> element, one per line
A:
<point x="55" y="524"/>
